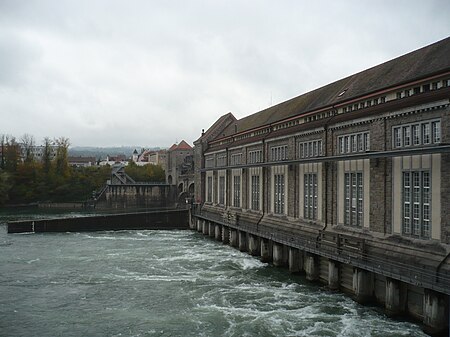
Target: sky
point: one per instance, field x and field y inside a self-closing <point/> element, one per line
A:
<point x="151" y="73"/>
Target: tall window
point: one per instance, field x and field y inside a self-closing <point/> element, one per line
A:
<point x="278" y="193"/>
<point x="417" y="134"/>
<point x="353" y="199"/>
<point x="237" y="191"/>
<point x="209" y="186"/>
<point x="222" y="190"/>
<point x="416" y="203"/>
<point x="255" y="193"/>
<point x="310" y="196"/>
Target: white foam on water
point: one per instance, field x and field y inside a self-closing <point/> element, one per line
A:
<point x="35" y="260"/>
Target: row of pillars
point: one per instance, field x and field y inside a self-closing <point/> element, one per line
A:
<point x="363" y="283"/>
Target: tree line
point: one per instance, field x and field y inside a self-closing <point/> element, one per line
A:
<point x="26" y="179"/>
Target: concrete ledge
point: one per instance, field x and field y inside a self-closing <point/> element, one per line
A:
<point x="166" y="219"/>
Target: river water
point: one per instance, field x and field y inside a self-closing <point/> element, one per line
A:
<point x="165" y="283"/>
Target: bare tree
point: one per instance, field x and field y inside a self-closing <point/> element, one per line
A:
<point x="28" y="143"/>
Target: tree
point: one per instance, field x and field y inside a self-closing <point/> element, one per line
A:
<point x="27" y="147"/>
<point x="11" y="154"/>
<point x="47" y="156"/>
<point x="62" y="161"/>
<point x="5" y="187"/>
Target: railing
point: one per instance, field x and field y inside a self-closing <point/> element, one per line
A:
<point x="344" y="248"/>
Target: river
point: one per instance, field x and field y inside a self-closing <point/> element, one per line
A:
<point x="165" y="283"/>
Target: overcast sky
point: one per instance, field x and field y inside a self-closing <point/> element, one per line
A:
<point x="149" y="73"/>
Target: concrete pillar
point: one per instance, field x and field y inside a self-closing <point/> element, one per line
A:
<point x="233" y="237"/>
<point x="253" y="245"/>
<point x="242" y="236"/>
<point x="363" y="285"/>
<point x="295" y="260"/>
<point x="311" y="267"/>
<point x="199" y="225"/>
<point x="265" y="250"/>
<point x="277" y="255"/>
<point x="211" y="229"/>
<point x="217" y="232"/>
<point x="392" y="299"/>
<point x="205" y="227"/>
<point x="435" y="312"/>
<point x="333" y="275"/>
<point x="225" y="235"/>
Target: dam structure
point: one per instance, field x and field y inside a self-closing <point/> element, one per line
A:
<point x="348" y="183"/>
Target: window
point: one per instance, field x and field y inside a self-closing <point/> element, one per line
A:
<point x="357" y="142"/>
<point x="423" y="133"/>
<point x="416" y="90"/>
<point x="255" y="186"/>
<point x="310" y="196"/>
<point x="255" y="157"/>
<point x="426" y="87"/>
<point x="209" y="186"/>
<point x="236" y="159"/>
<point x="209" y="162"/>
<point x="237" y="191"/>
<point x="278" y="193"/>
<point x="416" y="203"/>
<point x="353" y="199"/>
<point x="310" y="149"/>
<point x="222" y="160"/>
<point x="222" y="190"/>
<point x="279" y="153"/>
<point x="436" y="129"/>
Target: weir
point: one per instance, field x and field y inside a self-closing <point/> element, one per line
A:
<point x="156" y="219"/>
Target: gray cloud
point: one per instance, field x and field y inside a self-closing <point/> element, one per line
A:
<point x="149" y="73"/>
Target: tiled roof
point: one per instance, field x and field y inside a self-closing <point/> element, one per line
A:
<point x="184" y="146"/>
<point x="418" y="64"/>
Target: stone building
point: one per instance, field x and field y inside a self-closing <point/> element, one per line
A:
<point x="349" y="183"/>
<point x="180" y="169"/>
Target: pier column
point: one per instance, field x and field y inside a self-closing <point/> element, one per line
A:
<point x="277" y="255"/>
<point x="435" y="311"/>
<point x="311" y="267"/>
<point x="253" y="245"/>
<point x="242" y="241"/>
<point x="217" y="232"/>
<point x="363" y="284"/>
<point x="333" y="275"/>
<point x="225" y="235"/>
<point x="205" y="227"/>
<point x="211" y="229"/>
<point x="199" y="225"/>
<point x="233" y="237"/>
<point x="393" y="304"/>
<point x="295" y="260"/>
<point x="265" y="250"/>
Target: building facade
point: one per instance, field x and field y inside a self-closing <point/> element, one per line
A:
<point x="353" y="177"/>
<point x="180" y="169"/>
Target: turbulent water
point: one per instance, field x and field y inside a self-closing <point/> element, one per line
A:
<point x="164" y="283"/>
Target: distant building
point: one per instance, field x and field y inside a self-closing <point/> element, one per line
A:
<point x="158" y="158"/>
<point x="111" y="160"/>
<point x="37" y="152"/>
<point x="180" y="167"/>
<point x="82" y="161"/>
